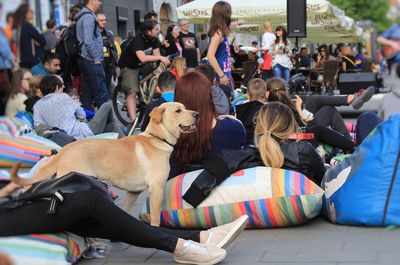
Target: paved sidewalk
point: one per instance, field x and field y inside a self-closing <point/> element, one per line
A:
<point x="317" y="242"/>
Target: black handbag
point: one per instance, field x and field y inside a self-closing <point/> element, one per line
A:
<point x="53" y="190"/>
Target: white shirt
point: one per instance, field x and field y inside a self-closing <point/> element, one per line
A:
<point x="283" y="59"/>
<point x="267" y="41"/>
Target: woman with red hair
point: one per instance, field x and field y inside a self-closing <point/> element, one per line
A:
<point x="214" y="133"/>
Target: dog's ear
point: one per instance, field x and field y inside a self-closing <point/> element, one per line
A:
<point x="156" y="114"/>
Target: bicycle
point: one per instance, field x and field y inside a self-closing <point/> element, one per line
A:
<point x="147" y="86"/>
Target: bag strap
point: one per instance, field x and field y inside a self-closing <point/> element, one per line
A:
<point x="301" y="136"/>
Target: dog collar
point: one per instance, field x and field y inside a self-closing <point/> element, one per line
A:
<point x="165" y="141"/>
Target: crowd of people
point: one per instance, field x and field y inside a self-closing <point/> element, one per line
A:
<point x="63" y="78"/>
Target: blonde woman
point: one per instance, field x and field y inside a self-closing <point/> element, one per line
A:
<point x="178" y="67"/>
<point x="274" y="137"/>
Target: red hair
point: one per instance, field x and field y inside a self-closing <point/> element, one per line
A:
<point x="194" y="91"/>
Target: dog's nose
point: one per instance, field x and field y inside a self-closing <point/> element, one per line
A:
<point x="196" y="115"/>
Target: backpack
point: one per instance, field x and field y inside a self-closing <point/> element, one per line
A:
<point x="70" y="38"/>
<point x="124" y="48"/>
<point x="69" y="48"/>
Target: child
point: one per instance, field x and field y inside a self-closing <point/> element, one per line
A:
<point x="34" y="93"/>
<point x="166" y="87"/>
<point x="219" y="51"/>
<point x="257" y="94"/>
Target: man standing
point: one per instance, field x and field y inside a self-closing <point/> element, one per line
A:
<point x="110" y="55"/>
<point x="50" y="65"/>
<point x="188" y="42"/>
<point x="91" y="57"/>
<point x="142" y="49"/>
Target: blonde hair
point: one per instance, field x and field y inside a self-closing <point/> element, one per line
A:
<point x="256" y="89"/>
<point x="267" y="26"/>
<point x="179" y="64"/>
<point x="274" y="123"/>
<point x="34" y="85"/>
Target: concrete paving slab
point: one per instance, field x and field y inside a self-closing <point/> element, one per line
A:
<point x="316" y="242"/>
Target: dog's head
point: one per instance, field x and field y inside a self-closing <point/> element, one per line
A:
<point x="175" y="118"/>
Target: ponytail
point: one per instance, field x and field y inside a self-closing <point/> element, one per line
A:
<point x="274" y="123"/>
<point x="270" y="151"/>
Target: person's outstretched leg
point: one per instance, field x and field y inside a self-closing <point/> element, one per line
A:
<point x="103" y="121"/>
<point x="82" y="207"/>
<point x="330" y="116"/>
<point x="315" y="102"/>
<point x="330" y="137"/>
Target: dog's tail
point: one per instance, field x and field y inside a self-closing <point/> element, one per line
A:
<point x="42" y="173"/>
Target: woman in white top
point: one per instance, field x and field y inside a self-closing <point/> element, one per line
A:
<point x="282" y="50"/>
<point x="19" y="89"/>
<point x="267" y="42"/>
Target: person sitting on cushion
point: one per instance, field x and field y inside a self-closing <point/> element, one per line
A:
<point x="257" y="94"/>
<point x="214" y="133"/>
<point x="166" y="86"/>
<point x="275" y="124"/>
<point x="59" y="110"/>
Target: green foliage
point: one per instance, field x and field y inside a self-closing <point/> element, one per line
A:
<point x="374" y="10"/>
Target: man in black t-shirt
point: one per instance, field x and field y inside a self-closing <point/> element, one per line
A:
<point x="141" y="49"/>
<point x="188" y="42"/>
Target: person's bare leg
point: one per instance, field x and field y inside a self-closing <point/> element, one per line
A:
<point x="131" y="105"/>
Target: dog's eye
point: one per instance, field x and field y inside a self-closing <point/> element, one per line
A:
<point x="178" y="111"/>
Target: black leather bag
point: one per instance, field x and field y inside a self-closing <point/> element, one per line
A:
<point x="53" y="190"/>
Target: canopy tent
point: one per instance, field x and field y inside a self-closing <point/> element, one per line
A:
<point x="325" y="22"/>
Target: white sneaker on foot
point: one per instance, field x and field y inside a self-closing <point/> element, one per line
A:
<point x="221" y="236"/>
<point x="196" y="253"/>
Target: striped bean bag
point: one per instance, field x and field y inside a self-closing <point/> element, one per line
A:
<point x="270" y="197"/>
<point x="19" y="143"/>
<point x="44" y="249"/>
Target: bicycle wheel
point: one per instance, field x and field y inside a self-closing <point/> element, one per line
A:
<point x="119" y="106"/>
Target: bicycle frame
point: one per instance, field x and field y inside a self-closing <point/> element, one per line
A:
<point x="148" y="84"/>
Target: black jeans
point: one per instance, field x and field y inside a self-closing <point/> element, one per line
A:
<point x="90" y="214"/>
<point x="325" y="113"/>
<point x="330" y="137"/>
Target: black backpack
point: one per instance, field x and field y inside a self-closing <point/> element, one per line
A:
<point x="70" y="39"/>
<point x="124" y="48"/>
<point x="69" y="48"/>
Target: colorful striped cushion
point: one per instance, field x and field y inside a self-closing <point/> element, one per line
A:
<point x="19" y="143"/>
<point x="271" y="197"/>
<point x="44" y="249"/>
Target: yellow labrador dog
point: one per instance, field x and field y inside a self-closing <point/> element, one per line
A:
<point x="133" y="163"/>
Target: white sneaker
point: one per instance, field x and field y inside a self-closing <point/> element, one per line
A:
<point x="221" y="236"/>
<point x="196" y="253"/>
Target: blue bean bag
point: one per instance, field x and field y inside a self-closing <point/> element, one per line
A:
<point x="364" y="188"/>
